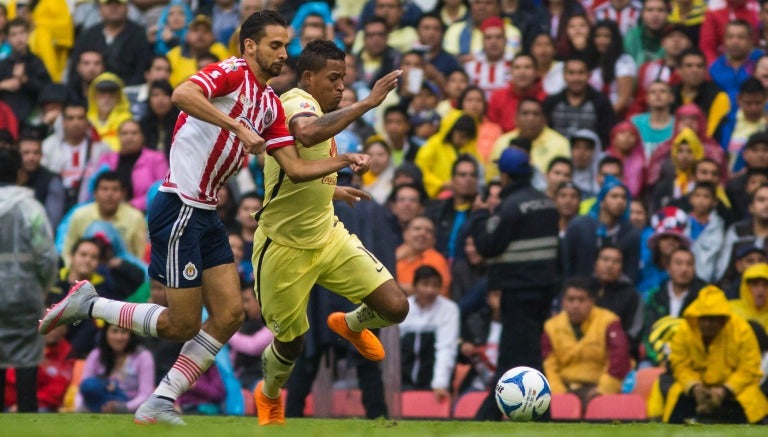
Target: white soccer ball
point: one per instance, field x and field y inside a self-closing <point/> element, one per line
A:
<point x="523" y="394"/>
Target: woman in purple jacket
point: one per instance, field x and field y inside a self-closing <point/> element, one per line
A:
<point x="138" y="166"/>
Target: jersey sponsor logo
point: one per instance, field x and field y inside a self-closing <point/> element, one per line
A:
<point x="307" y="106"/>
<point x="190" y="271"/>
<point x="229" y="65"/>
<point x="246" y="121"/>
<point x="330" y="179"/>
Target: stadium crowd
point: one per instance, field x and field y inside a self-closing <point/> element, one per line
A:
<point x="636" y="130"/>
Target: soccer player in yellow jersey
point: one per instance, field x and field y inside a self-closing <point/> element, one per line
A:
<point x="299" y="241"/>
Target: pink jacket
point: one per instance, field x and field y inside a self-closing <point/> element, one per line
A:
<point x="151" y="167"/>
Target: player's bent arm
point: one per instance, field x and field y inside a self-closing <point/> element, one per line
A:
<point x="302" y="170"/>
<point x="310" y="131"/>
<point x="190" y="98"/>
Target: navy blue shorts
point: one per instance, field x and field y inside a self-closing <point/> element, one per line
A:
<point x="185" y="242"/>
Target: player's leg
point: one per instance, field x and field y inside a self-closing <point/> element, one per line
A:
<point x="352" y="271"/>
<point x="284" y="277"/>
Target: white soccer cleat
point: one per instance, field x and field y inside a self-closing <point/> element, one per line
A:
<point x="156" y="410"/>
<point x="73" y="307"/>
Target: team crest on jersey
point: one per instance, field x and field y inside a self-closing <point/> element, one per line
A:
<point x="269" y="117"/>
<point x="229" y="65"/>
<point x="190" y="271"/>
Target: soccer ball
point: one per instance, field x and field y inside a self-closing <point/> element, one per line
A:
<point x="523" y="394"/>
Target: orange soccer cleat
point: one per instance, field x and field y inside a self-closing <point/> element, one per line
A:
<point x="270" y="411"/>
<point x="365" y="342"/>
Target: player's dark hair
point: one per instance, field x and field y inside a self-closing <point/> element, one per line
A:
<point x="10" y="163"/>
<point x="253" y="26"/>
<point x="109" y="175"/>
<point x="426" y="272"/>
<point x="590" y="285"/>
<point x="316" y="55"/>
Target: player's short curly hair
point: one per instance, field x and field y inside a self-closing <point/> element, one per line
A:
<point x="315" y="56"/>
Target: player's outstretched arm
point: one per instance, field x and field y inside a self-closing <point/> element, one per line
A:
<point x="190" y="98"/>
<point x="301" y="170"/>
<point x="310" y="131"/>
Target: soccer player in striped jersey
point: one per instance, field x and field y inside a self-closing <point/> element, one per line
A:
<point x="228" y="112"/>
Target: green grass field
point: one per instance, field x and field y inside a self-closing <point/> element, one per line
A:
<point x="92" y="425"/>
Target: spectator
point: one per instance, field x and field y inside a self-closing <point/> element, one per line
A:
<point x="606" y="223"/>
<point x="625" y="13"/>
<point x="456" y="83"/>
<point x="312" y="21"/>
<point x="613" y="71"/>
<point x="108" y="108"/>
<point x="122" y="42"/>
<point x="73" y="155"/>
<point x="525" y="218"/>
<point x="428" y="336"/>
<point x="117" y="376"/>
<point x="400" y="36"/>
<point x="109" y="206"/>
<point x="715" y="361"/>
<point x="586" y="153"/>
<point x="22" y="74"/>
<point x="138" y="166"/>
<point x="607" y="165"/>
<point x="656" y="125"/>
<point x="430" y="31"/>
<point x="686" y="150"/>
<point x="472" y="101"/>
<point x="750" y="119"/>
<point x="546" y="143"/>
<point x="549" y="70"/>
<point x="669" y="224"/>
<point x="27" y="273"/>
<point x="406" y="202"/>
<point x="585" y="350"/>
<point x="673" y="295"/>
<point x="225" y="20"/>
<point x="559" y="13"/>
<point x="376" y="58"/>
<point x="87" y="66"/>
<point x="617" y="294"/>
<point x="138" y="95"/>
<point x="627" y="145"/>
<point x="378" y="179"/>
<point x="716" y="19"/>
<point x="418" y="249"/>
<point x="246" y="8"/>
<point x="746" y="257"/>
<point x="705" y="229"/>
<point x="199" y="42"/>
<point x="662" y="69"/>
<point x="573" y="39"/>
<point x="491" y="72"/>
<point x="755" y="155"/>
<point x="8" y="122"/>
<point x="479" y="343"/>
<point x="695" y="87"/>
<point x="171" y="28"/>
<point x="689" y="14"/>
<point x="746" y="232"/>
<point x="579" y="106"/>
<point x="249" y="341"/>
<point x="752" y="304"/>
<point x="464" y="39"/>
<point x="46" y="184"/>
<point x="643" y="42"/>
<point x="707" y="171"/>
<point x="206" y="395"/>
<point x="159" y="122"/>
<point x="396" y="129"/>
<point x="503" y="103"/>
<point x="559" y="171"/>
<point x="457" y="135"/>
<point x="567" y="197"/>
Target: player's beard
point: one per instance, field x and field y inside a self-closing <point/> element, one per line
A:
<point x="273" y="68"/>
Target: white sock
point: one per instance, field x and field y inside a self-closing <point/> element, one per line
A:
<point x="276" y="371"/>
<point x="140" y="318"/>
<point x="196" y="357"/>
<point x="364" y="317"/>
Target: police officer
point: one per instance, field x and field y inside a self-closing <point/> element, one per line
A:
<point x="519" y="240"/>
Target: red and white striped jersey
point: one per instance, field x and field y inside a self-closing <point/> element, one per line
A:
<point x="489" y="76"/>
<point x="626" y="18"/>
<point x="203" y="155"/>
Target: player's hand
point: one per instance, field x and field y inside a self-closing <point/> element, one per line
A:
<point x="382" y="87"/>
<point x="359" y="162"/>
<point x="350" y="195"/>
<point x="441" y="394"/>
<point x="252" y="142"/>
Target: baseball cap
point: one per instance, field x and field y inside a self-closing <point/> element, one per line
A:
<point x="426" y="116"/>
<point x="201" y="19"/>
<point x="107" y="85"/>
<point x="743" y="251"/>
<point x="514" y="162"/>
<point x="491" y="22"/>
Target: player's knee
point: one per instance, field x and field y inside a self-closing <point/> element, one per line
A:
<point x="234" y="318"/>
<point x="178" y="329"/>
<point x="396" y="309"/>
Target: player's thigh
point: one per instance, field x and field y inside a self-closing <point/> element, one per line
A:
<point x="284" y="277"/>
<point x="350" y="270"/>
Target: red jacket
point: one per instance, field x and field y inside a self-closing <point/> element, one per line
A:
<point x="712" y="32"/>
<point x="8" y="120"/>
<point x="502" y="106"/>
<point x="54" y="375"/>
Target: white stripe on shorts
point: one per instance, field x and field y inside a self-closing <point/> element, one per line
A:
<point x="172" y="260"/>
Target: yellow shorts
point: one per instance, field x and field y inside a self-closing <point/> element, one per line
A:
<point x="285" y="276"/>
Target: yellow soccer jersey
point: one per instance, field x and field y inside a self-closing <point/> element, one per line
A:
<point x="299" y="215"/>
